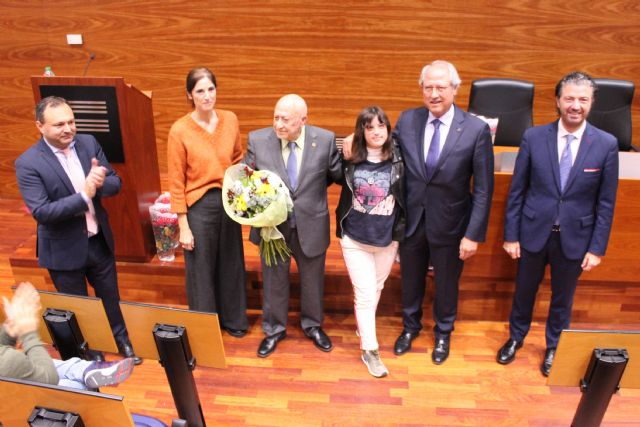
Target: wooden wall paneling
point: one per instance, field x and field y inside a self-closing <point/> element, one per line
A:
<point x="339" y="55"/>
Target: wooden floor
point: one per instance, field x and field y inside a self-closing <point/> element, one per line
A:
<point x="300" y="386"/>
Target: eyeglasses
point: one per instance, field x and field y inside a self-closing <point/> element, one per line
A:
<point x="438" y="89"/>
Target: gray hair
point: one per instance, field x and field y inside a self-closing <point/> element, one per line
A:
<point x="453" y="73"/>
<point x="294" y="103"/>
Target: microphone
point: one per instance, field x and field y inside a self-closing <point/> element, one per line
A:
<point x="86" y="67"/>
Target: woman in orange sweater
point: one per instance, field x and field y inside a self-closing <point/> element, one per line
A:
<point x="201" y="146"/>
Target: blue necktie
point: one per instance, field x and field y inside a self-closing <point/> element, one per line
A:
<point x="292" y="165"/>
<point x="434" y="148"/>
<point x="565" y="162"/>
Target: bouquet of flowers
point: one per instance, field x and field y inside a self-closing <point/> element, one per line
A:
<point x="165" y="228"/>
<point x="260" y="199"/>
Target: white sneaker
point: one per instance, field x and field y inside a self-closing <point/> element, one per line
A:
<point x="371" y="358"/>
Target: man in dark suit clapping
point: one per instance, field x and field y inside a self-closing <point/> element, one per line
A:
<point x="62" y="179"/>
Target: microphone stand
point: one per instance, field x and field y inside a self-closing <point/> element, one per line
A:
<point x="86" y="67"/>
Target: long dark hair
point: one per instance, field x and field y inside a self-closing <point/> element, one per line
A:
<point x="359" y="145"/>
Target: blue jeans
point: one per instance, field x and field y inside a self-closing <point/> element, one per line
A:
<point x="71" y="372"/>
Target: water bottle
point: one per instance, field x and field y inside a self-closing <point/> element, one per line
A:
<point x="48" y="72"/>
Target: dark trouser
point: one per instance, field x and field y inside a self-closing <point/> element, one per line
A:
<point x="100" y="271"/>
<point x="564" y="278"/>
<point x="415" y="253"/>
<point x="275" y="297"/>
<point x="215" y="274"/>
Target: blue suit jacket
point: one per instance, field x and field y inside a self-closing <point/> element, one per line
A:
<point x="585" y="207"/>
<point x="60" y="212"/>
<point x="451" y="210"/>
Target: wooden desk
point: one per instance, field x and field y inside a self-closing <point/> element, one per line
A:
<point x="96" y="409"/>
<point x="618" y="265"/>
<point x="575" y="349"/>
<point x="486" y="287"/>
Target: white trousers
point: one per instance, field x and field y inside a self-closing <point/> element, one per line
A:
<point x="368" y="266"/>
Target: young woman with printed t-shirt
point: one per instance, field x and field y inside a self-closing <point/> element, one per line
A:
<point x="370" y="222"/>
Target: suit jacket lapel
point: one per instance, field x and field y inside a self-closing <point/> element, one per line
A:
<point x="308" y="154"/>
<point x="452" y="139"/>
<point x="84" y="157"/>
<point x="54" y="163"/>
<point x="552" y="149"/>
<point x="418" y="155"/>
<point x="583" y="151"/>
<point x="275" y="151"/>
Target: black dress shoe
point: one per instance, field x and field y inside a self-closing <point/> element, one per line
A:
<point x="549" y="355"/>
<point x="319" y="338"/>
<point x="507" y="352"/>
<point x="268" y="344"/>
<point x="238" y="333"/>
<point x="403" y="342"/>
<point x="125" y="349"/>
<point x="96" y="356"/>
<point x="440" y="349"/>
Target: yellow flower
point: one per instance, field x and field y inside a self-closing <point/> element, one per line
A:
<point x="241" y="204"/>
<point x="266" y="190"/>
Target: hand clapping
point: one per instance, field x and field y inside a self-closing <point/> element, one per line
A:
<point x="23" y="311"/>
<point x="95" y="179"/>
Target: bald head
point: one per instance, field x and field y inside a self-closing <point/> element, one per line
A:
<point x="289" y="116"/>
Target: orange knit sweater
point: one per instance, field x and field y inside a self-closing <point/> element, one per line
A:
<point x="198" y="159"/>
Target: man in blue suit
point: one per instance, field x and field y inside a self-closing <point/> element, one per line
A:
<point x="448" y="159"/>
<point x="62" y="179"/>
<point x="559" y="211"/>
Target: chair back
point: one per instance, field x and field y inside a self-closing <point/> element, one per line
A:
<point x="611" y="109"/>
<point x="508" y="100"/>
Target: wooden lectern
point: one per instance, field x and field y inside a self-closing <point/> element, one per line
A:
<point x="120" y="117"/>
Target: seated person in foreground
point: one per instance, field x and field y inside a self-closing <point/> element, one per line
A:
<point x="33" y="363"/>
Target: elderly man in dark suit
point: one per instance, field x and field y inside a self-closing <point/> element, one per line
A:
<point x="307" y="160"/>
<point x="559" y="211"/>
<point x="62" y="179"/>
<point x="449" y="183"/>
